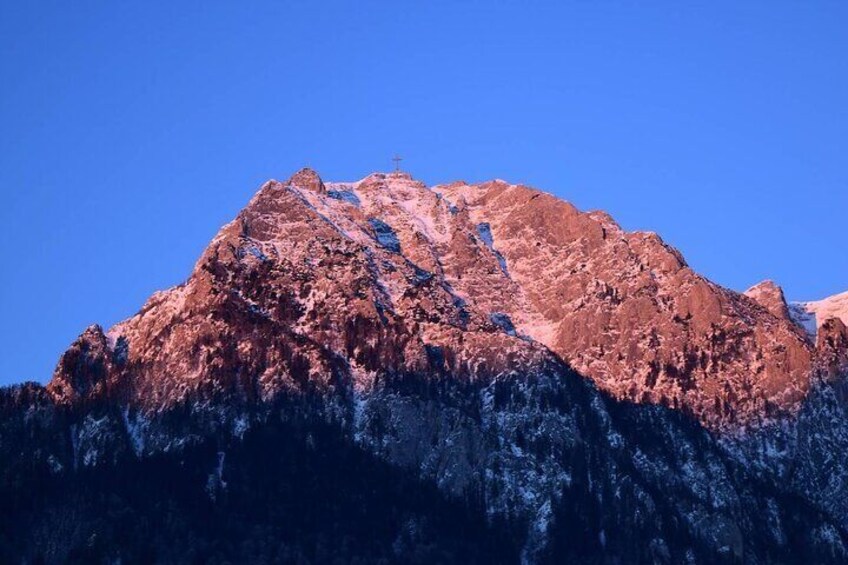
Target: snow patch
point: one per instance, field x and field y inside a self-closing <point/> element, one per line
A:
<point x="503" y="322"/>
<point x="135" y="431"/>
<point x="485" y="231"/>
<point x="804" y="318"/>
<point x="348" y="196"/>
<point x="813" y="314"/>
<point x="385" y="235"/>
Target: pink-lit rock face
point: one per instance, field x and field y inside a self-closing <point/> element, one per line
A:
<point x="770" y="296"/>
<point x="625" y="310"/>
<point x="377" y="274"/>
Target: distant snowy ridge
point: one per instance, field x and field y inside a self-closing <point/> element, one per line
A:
<point x="811" y="315"/>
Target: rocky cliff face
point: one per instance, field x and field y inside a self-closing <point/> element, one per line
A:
<point x="625" y="310"/>
<point x="770" y="296"/>
<point x="431" y="335"/>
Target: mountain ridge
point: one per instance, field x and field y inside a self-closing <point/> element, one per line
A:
<point x="489" y="340"/>
<point x="601" y="286"/>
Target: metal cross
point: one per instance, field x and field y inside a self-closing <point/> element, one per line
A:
<point x="397" y="159"/>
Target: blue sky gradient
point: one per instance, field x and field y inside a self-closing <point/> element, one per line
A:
<point x="129" y="132"/>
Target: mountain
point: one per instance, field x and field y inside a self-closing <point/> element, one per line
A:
<point x="811" y="315"/>
<point x="769" y="295"/>
<point x="382" y="371"/>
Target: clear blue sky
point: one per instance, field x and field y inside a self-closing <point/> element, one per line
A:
<point x="130" y="132"/>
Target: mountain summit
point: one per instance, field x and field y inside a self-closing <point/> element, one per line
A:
<point x="545" y="373"/>
<point x="476" y="260"/>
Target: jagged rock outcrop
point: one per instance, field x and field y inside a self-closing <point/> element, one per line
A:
<point x="770" y="296"/>
<point x="832" y="348"/>
<point x="431" y="336"/>
<point x="308" y="179"/>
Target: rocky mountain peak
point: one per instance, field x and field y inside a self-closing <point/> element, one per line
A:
<point x="770" y="296"/>
<point x="308" y="179"/>
<point x="417" y="267"/>
<point x="84" y="369"/>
